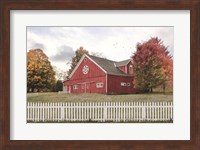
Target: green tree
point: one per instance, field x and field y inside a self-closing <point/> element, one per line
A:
<point x="78" y="54"/>
<point x="58" y="86"/>
<point x="152" y="65"/>
<point x="40" y="74"/>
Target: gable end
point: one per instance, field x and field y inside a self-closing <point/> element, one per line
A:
<point x="80" y="61"/>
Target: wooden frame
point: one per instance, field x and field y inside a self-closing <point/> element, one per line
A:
<point x="7" y="5"/>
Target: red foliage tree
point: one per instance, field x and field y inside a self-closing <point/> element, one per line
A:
<point x="153" y="65"/>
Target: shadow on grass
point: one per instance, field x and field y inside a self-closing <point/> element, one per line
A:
<point x="95" y="121"/>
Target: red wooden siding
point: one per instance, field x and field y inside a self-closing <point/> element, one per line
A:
<point x="94" y="71"/>
<point x="87" y="82"/>
<point x="87" y="86"/>
<point x="114" y="85"/>
<point x="122" y="68"/>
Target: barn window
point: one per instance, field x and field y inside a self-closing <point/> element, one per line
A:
<point x="128" y="84"/>
<point x="75" y="87"/>
<point x="99" y="85"/>
<point x="123" y="84"/>
<point x="85" y="59"/>
<point x="131" y="69"/>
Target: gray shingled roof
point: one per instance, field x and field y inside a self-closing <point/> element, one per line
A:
<point x="122" y="63"/>
<point x="109" y="66"/>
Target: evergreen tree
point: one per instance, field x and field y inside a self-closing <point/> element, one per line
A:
<point x="78" y="54"/>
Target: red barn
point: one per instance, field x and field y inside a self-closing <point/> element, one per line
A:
<point x="99" y="75"/>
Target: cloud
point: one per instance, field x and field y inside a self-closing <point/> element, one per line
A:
<point x="45" y="31"/>
<point x="167" y="37"/>
<point x="115" y="43"/>
<point x="37" y="45"/>
<point x="64" y="53"/>
<point x="35" y="41"/>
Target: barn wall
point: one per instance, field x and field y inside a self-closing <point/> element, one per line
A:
<point x="88" y="85"/>
<point x="114" y="85"/>
<point x="94" y="71"/>
<point x="87" y="82"/>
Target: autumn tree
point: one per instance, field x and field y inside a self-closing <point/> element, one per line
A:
<point x="78" y="54"/>
<point x="40" y="74"/>
<point x="153" y="65"/>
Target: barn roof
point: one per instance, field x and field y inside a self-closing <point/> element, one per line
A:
<point x="110" y="66"/>
<point x="122" y="63"/>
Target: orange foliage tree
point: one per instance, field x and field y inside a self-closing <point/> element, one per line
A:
<point x="40" y="73"/>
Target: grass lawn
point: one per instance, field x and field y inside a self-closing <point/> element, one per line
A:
<point x="64" y="97"/>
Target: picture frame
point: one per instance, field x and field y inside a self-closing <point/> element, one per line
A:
<point x="7" y="6"/>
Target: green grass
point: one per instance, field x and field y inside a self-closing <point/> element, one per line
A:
<point x="64" y="97"/>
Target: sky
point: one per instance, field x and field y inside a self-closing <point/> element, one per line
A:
<point x="114" y="43"/>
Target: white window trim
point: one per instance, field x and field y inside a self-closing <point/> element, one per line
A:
<point x="75" y="87"/>
<point x="123" y="84"/>
<point x="99" y="85"/>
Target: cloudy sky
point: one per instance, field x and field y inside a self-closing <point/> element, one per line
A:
<point x="114" y="43"/>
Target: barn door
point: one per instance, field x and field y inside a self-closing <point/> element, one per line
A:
<point x="88" y="88"/>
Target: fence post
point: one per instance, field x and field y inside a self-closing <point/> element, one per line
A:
<point x="43" y="106"/>
<point x="62" y="111"/>
<point x="27" y="115"/>
<point x="171" y="111"/>
<point x="144" y="111"/>
<point x="105" y="112"/>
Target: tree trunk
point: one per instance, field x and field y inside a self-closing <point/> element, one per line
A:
<point x="164" y="88"/>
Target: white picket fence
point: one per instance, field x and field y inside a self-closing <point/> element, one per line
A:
<point x="99" y="111"/>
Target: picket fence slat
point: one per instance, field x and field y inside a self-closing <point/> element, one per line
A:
<point x="99" y="111"/>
